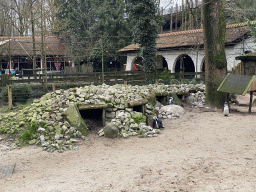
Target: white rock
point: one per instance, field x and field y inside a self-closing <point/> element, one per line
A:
<point x="120" y="114"/>
<point x="42" y="138"/>
<point x="57" y="137"/>
<point x="41" y="129"/>
<point x="45" y="144"/>
<point x="169" y="116"/>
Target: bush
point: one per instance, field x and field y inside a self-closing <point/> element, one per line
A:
<point x="139" y="118"/>
<point x="165" y="77"/>
<point x="45" y="89"/>
<point x="29" y="134"/>
<point x="21" y="92"/>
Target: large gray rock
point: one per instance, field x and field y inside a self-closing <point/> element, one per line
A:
<point x="174" y="110"/>
<point x="110" y="130"/>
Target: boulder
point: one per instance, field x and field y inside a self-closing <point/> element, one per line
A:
<point x="175" y="110"/>
<point x="75" y="119"/>
<point x="110" y="130"/>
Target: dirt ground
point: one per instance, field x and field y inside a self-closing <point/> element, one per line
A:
<point x="200" y="151"/>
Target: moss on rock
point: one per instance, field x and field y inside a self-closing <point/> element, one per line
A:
<point x="75" y="119"/>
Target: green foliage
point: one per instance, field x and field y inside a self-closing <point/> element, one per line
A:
<point x="145" y="31"/>
<point x="45" y="89"/>
<point x="25" y="137"/>
<point x="90" y="26"/>
<point x="43" y="124"/>
<point x="165" y="77"/>
<point x="21" y="92"/>
<point x="29" y="134"/>
<point x="139" y="118"/>
<point x="33" y="128"/>
<point x="62" y="86"/>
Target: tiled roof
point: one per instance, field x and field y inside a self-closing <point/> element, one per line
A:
<point x="248" y="56"/>
<point x="24" y="46"/>
<point x="190" y="38"/>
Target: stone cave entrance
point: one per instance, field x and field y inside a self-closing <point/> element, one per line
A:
<point x="93" y="119"/>
<point x="162" y="99"/>
<point x="139" y="108"/>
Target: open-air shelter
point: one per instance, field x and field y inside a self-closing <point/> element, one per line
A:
<point x="240" y="85"/>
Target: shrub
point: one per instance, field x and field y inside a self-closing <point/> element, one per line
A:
<point x="27" y="135"/>
<point x="165" y="77"/>
<point x="45" y="89"/>
<point x="21" y="92"/>
<point x="139" y="118"/>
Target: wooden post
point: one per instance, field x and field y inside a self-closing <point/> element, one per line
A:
<point x="125" y="82"/>
<point x="53" y="87"/>
<point x="10" y="96"/>
<point x="103" y="117"/>
<point x="228" y="102"/>
<point x="250" y="105"/>
<point x="181" y="69"/>
<point x="157" y="82"/>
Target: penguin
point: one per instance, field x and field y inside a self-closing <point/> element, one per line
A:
<point x="226" y="109"/>
<point x="157" y="123"/>
<point x="171" y="101"/>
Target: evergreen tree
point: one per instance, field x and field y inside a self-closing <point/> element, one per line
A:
<point x="111" y="28"/>
<point x="92" y="26"/>
<point x="144" y="13"/>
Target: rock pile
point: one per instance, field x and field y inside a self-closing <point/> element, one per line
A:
<point x="57" y="121"/>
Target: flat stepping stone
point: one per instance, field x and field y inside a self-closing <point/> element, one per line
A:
<point x="6" y="170"/>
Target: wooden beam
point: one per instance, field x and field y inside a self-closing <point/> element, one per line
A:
<point x="250" y="105"/>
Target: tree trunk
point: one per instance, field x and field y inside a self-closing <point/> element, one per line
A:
<point x="214" y="29"/>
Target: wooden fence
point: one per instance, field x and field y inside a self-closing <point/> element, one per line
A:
<point x="130" y="77"/>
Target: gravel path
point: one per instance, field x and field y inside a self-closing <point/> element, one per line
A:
<point x="198" y="152"/>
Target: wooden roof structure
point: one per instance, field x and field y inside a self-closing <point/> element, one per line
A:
<point x="23" y="46"/>
<point x="239" y="84"/>
<point x="188" y="38"/>
<point x="248" y="56"/>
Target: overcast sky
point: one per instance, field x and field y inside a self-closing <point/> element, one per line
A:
<point x="169" y="3"/>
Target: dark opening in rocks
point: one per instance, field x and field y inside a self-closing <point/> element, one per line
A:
<point x="162" y="99"/>
<point x="139" y="108"/>
<point x="92" y="119"/>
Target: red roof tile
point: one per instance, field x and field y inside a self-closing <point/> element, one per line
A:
<point x="191" y="38"/>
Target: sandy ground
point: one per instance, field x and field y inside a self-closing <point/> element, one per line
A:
<point x="198" y="152"/>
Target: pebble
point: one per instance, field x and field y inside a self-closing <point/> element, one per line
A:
<point x="57" y="137"/>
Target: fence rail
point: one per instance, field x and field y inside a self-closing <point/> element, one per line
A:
<point x="131" y="77"/>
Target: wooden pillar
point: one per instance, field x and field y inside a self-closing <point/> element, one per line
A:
<point x="10" y="96"/>
<point x="250" y="105"/>
<point x="181" y="69"/>
<point x="53" y="87"/>
<point x="103" y="117"/>
<point x="228" y="102"/>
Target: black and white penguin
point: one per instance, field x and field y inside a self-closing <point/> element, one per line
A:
<point x="157" y="123"/>
<point x="171" y="101"/>
<point x="225" y="109"/>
